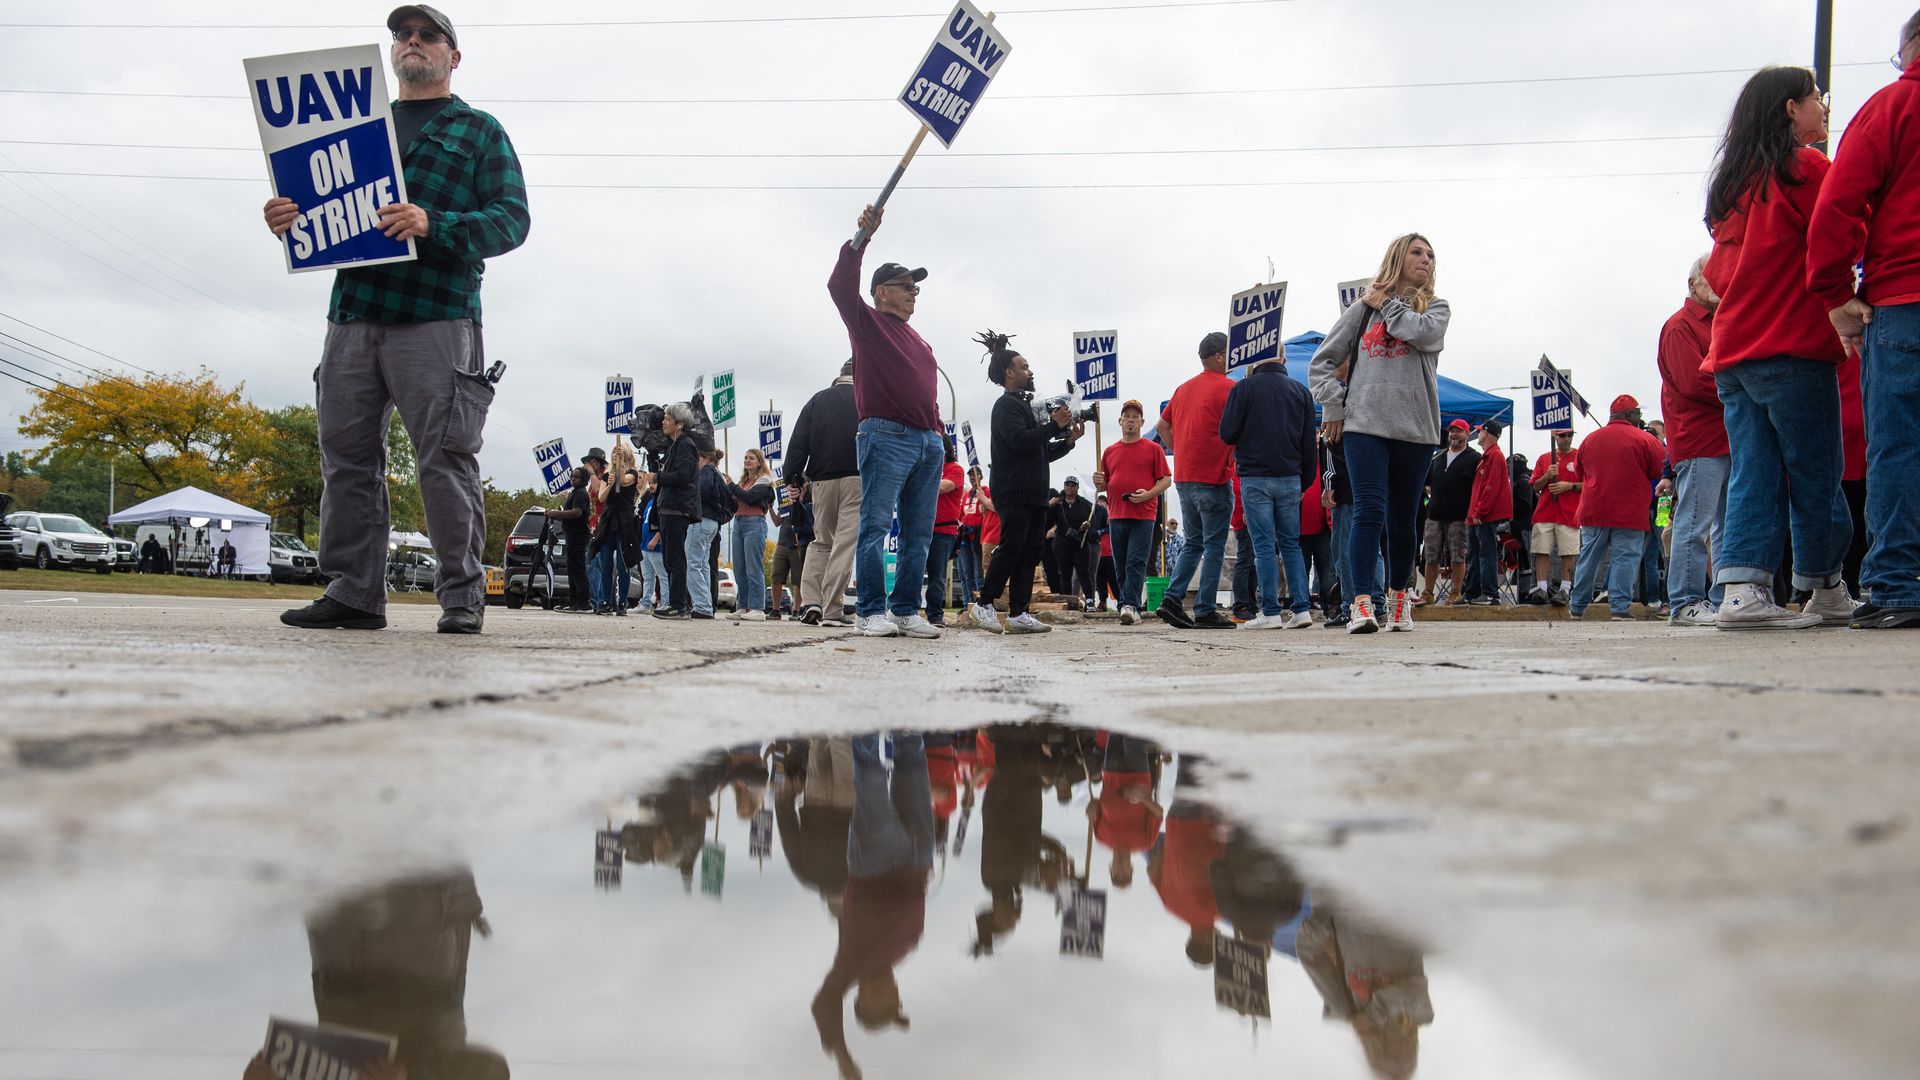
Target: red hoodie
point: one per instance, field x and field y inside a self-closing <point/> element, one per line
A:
<point x="1765" y="309"/>
<point x="1870" y="203"/>
<point x="1689" y="401"/>
<point x="1492" y="488"/>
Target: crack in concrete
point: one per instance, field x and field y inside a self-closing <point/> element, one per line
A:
<point x="68" y="752"/>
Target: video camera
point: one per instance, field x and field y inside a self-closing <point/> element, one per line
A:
<point x="1083" y="411"/>
<point x="649" y="436"/>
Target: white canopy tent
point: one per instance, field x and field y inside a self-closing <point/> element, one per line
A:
<point x="399" y="539"/>
<point x="205" y="517"/>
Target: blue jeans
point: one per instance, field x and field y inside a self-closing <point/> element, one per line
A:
<point x="892" y="826"/>
<point x="1388" y="476"/>
<point x="899" y="474"/>
<point x="1272" y="504"/>
<point x="1653" y="570"/>
<point x="597" y="577"/>
<point x="1343" y="559"/>
<point x="967" y="568"/>
<point x="749" y="554"/>
<point x="699" y="569"/>
<point x="1699" y="509"/>
<point x="1132" y="541"/>
<point x="1620" y="550"/>
<point x="1890" y="392"/>
<point x="1209" y="510"/>
<point x="653" y="578"/>
<point x="939" y="556"/>
<point x="1783" y="419"/>
<point x="1483" y="561"/>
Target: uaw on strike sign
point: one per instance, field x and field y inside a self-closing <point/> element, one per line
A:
<point x="328" y="133"/>
<point x="953" y="75"/>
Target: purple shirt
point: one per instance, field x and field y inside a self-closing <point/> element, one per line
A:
<point x="894" y="376"/>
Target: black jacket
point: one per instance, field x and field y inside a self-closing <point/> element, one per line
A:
<point x="1069" y="521"/>
<point x="1333" y="466"/>
<point x="1022" y="449"/>
<point x="1451" y="488"/>
<point x="679" y="479"/>
<point x="716" y="502"/>
<point x="619" y="524"/>
<point x="1269" y="423"/>
<point x="822" y="444"/>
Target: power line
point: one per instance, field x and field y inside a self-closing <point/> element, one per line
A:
<point x="78" y="345"/>
<point x="778" y="156"/>
<point x="747" y="20"/>
<point x="1077" y="95"/>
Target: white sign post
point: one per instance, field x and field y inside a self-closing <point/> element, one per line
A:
<point x="327" y="130"/>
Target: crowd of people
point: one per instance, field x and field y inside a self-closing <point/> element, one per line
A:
<point x="1788" y="381"/>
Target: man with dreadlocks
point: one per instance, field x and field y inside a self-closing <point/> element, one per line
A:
<point x="1022" y="448"/>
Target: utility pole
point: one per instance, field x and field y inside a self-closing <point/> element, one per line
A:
<point x="1823" y="51"/>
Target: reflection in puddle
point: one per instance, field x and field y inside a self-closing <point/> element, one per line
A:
<point x="1016" y="901"/>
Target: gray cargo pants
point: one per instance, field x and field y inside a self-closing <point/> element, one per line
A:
<point x="366" y="371"/>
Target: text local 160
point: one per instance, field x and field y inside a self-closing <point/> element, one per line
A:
<point x="353" y="210"/>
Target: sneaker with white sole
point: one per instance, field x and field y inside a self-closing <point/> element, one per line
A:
<point x="1264" y="622"/>
<point x="876" y="626"/>
<point x="1298" y="620"/>
<point x="1360" y="618"/>
<point x="1698" y="613"/>
<point x="1834" y="606"/>
<point x="1750" y="607"/>
<point x="751" y="615"/>
<point x="1400" y="607"/>
<point x="1025" y="623"/>
<point x="914" y="625"/>
<point x="986" y="618"/>
<point x="1128" y="616"/>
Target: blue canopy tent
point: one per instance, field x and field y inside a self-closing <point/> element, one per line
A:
<point x="1458" y="401"/>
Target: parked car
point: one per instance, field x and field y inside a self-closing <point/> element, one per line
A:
<point x="290" y="559"/>
<point x="534" y="564"/>
<point x="125" y="558"/>
<point x="729" y="595"/>
<point x="61" y="540"/>
<point x="411" y="571"/>
<point x="9" y="556"/>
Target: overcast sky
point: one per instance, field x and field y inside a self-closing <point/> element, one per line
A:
<point x="1536" y="253"/>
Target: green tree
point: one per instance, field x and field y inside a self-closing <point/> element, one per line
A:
<point x="76" y="484"/>
<point x="290" y="466"/>
<point x="18" y="479"/>
<point x="503" y="509"/>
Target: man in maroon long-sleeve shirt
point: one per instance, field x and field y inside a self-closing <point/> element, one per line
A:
<point x="900" y="447"/>
<point x="1697" y="446"/>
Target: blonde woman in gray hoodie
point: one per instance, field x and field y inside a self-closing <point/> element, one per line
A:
<point x="1374" y="377"/>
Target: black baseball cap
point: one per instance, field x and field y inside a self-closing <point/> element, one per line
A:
<point x="1215" y="342"/>
<point x="888" y="271"/>
<point x="431" y="14"/>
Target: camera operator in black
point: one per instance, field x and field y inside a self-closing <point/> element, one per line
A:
<point x="1069" y="522"/>
<point x="1022" y="448"/>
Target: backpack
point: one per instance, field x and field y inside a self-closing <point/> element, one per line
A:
<point x="716" y="502"/>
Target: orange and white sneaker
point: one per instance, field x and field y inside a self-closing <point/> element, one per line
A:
<point x="1360" y="618"/>
<point x="1400" y="609"/>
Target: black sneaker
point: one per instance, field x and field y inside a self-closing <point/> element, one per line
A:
<point x="1340" y="619"/>
<point x="327" y="613"/>
<point x="1871" y="616"/>
<point x="462" y="620"/>
<point x="1213" y="620"/>
<point x="670" y="612"/>
<point x="1174" y="613"/>
<point x="1558" y="597"/>
<point x="810" y="615"/>
<point x="700" y="615"/>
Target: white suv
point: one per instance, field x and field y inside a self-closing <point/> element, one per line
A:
<point x="50" y="540"/>
<point x="290" y="559"/>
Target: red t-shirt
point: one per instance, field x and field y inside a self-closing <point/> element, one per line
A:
<point x="989" y="521"/>
<point x="1130" y="467"/>
<point x="1238" y="522"/>
<point x="1183" y="885"/>
<point x="881" y="920"/>
<point x="1622" y="464"/>
<point x="1564" y="508"/>
<point x="1106" y="545"/>
<point x="971" y="512"/>
<point x="1313" y="516"/>
<point x="1199" y="457"/>
<point x="1126" y="825"/>
<point x="946" y="512"/>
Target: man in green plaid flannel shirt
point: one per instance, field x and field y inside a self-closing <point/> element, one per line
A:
<point x="406" y="336"/>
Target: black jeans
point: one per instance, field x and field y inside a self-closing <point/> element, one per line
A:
<point x="577" y="568"/>
<point x="673" y="545"/>
<point x="1318" y="549"/>
<point x="1246" y="584"/>
<point x="1077" y="564"/>
<point x="1023" y="535"/>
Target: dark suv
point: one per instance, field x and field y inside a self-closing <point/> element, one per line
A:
<point x="535" y="564"/>
<point x="9" y="556"/>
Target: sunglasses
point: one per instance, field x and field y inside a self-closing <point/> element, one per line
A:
<point x="912" y="290"/>
<point x="427" y="35"/>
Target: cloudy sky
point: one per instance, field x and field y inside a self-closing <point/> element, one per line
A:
<point x="1128" y="169"/>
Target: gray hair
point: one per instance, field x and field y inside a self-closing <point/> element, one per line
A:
<point x="1698" y="269"/>
<point x="682" y="413"/>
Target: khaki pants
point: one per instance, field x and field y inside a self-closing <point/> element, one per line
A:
<point x="836" y="527"/>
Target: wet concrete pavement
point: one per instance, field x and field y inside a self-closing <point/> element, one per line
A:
<point x="1621" y="850"/>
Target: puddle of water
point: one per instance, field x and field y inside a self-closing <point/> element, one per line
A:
<point x="1021" y="901"/>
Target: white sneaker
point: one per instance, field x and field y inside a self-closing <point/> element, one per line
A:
<point x="1025" y="623"/>
<point x="1263" y="622"/>
<point x="1698" y="613"/>
<point x="915" y="625"/>
<point x="988" y="619"/>
<point x="1834" y="606"/>
<point x="1298" y="620"/>
<point x="1360" y="618"/>
<point x="877" y="626"/>
<point x="1400" y="608"/>
<point x="1749" y="607"/>
<point x="1128" y="616"/>
<point x="839" y="620"/>
<point x="750" y="616"/>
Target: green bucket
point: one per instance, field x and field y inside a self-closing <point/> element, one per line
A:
<point x="1156" y="589"/>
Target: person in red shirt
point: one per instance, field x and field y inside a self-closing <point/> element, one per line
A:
<point x="946" y="532"/>
<point x="1556" y="519"/>
<point x="989" y="521"/>
<point x="1697" y="447"/>
<point x="1316" y="541"/>
<point x="1125" y="816"/>
<point x="1490" y="507"/>
<point x="1181" y="862"/>
<point x="1203" y="475"/>
<point x="1134" y="474"/>
<point x="1869" y="207"/>
<point x="1775" y="358"/>
<point x="1622" y="464"/>
<point x="969" y="561"/>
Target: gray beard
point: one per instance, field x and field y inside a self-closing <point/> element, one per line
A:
<point x="419" y="71"/>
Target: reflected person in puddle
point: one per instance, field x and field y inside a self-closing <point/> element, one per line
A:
<point x="1015" y="850"/>
<point x="889" y="858"/>
<point x="1375" y="982"/>
<point x="1125" y="817"/>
